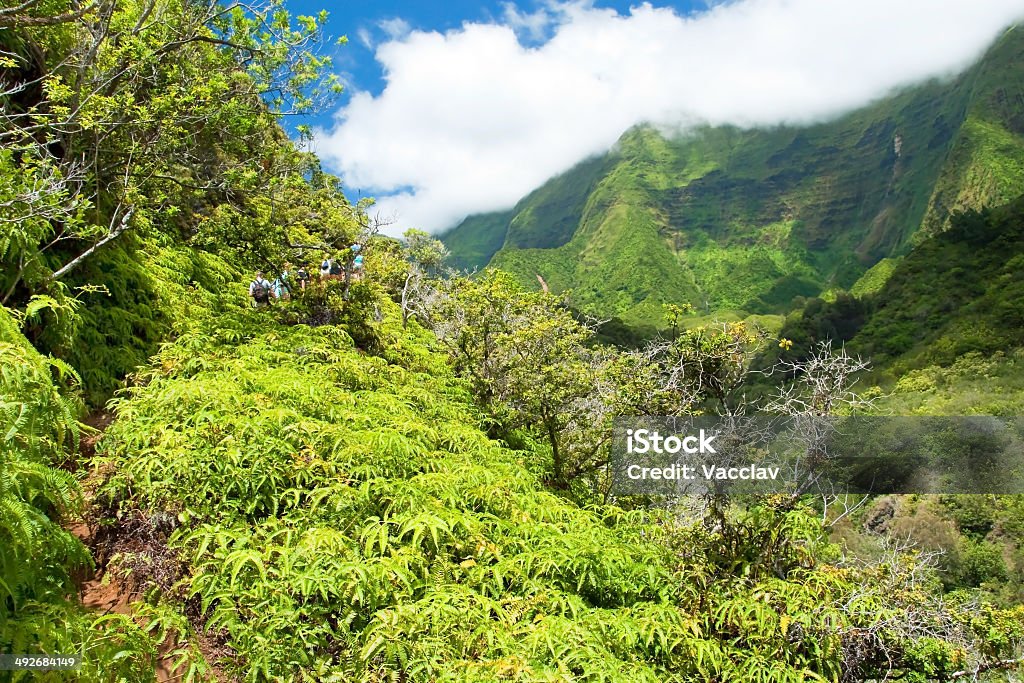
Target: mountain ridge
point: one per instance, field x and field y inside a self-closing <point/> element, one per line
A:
<point x="746" y="220"/>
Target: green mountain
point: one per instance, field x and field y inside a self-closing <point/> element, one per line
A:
<point x="746" y="220"/>
<point x="958" y="292"/>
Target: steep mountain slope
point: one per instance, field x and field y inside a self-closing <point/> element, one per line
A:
<point x="986" y="163"/>
<point x="945" y="330"/>
<point x="545" y="219"/>
<point x="957" y="292"/>
<point x="746" y="220"/>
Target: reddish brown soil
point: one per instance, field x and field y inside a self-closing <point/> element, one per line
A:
<point x="108" y="594"/>
<point x="114" y="596"/>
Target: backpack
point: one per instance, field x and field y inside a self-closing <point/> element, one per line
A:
<point x="260" y="291"/>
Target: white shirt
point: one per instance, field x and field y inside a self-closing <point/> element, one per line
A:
<point x="259" y="282"/>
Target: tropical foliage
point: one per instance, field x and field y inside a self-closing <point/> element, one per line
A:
<point x="40" y="559"/>
<point x="401" y="475"/>
<point x="343" y="516"/>
<point x="131" y="129"/>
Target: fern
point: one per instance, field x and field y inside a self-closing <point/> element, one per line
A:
<point x="346" y="519"/>
<point x="39" y="427"/>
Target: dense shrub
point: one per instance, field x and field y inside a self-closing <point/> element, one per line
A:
<point x="39" y="560"/>
<point x="343" y="516"/>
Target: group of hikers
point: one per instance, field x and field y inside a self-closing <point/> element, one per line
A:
<point x="262" y="290"/>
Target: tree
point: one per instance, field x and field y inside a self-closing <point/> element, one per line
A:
<point x="697" y="369"/>
<point x="425" y="251"/>
<point x="528" y="363"/>
<point x="425" y="256"/>
<point x="822" y="389"/>
<point x="140" y="115"/>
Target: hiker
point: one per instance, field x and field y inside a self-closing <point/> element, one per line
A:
<point x="353" y="262"/>
<point x="260" y="290"/>
<point x="302" y="276"/>
<point x="282" y="285"/>
<point x="337" y="268"/>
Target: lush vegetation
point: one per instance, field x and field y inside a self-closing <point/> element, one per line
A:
<point x="342" y="516"/>
<point x="747" y="220"/>
<point x="956" y="293"/>
<point x="399" y="476"/>
<point x="943" y="325"/>
<point x="40" y="562"/>
<point x="137" y="139"/>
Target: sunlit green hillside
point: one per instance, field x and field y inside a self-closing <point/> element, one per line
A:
<point x="391" y="474"/>
<point x="749" y="219"/>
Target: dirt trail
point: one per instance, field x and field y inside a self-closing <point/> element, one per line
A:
<point x="113" y="596"/>
<point x="109" y="594"/>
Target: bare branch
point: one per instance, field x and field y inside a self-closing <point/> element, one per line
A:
<point x="999" y="664"/>
<point x="28" y="4"/>
<point x="113" y="234"/>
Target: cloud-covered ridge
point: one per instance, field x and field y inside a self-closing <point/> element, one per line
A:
<point x="472" y="120"/>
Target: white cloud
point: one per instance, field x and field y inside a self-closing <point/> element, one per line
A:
<point x="472" y="120"/>
<point x="364" y="37"/>
<point x="532" y="26"/>
<point x="395" y="29"/>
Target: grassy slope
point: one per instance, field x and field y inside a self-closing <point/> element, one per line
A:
<point x="612" y="270"/>
<point x="975" y="384"/>
<point x="748" y="220"/>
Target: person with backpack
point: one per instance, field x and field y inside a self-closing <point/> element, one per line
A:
<point x="259" y="290"/>
<point x="302" y="276"/>
<point x="283" y="284"/>
<point x="337" y="268"/>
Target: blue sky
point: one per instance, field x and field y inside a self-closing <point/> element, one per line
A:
<point x="454" y="108"/>
<point x="371" y="19"/>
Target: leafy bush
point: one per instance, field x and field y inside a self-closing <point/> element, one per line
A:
<point x="38" y="424"/>
<point x="979" y="562"/>
<point x="343" y="516"/>
<point x="40" y="560"/>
